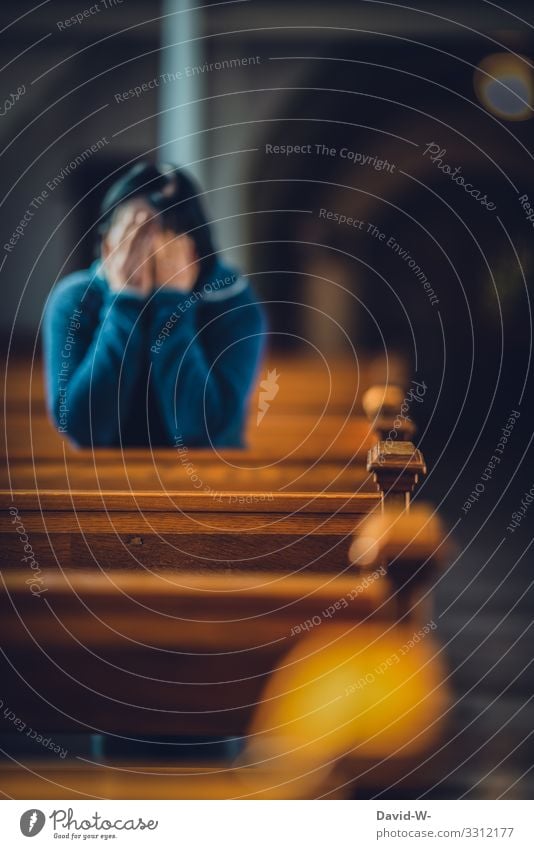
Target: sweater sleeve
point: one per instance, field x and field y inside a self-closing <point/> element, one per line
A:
<point x="203" y="371"/>
<point x="92" y="352"/>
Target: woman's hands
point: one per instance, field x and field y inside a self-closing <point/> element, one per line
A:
<point x="127" y="250"/>
<point x="175" y="260"/>
<point x="140" y="256"/>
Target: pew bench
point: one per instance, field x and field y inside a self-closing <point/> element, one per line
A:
<point x="161" y="610"/>
<point x="179" y="530"/>
<point x="199" y="470"/>
<point x="264" y="656"/>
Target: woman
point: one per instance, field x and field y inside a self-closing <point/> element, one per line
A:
<point x="158" y="342"/>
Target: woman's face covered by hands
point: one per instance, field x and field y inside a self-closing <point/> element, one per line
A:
<point x="141" y="255"/>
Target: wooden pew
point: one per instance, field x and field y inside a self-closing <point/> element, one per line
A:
<point x="87" y="519"/>
<point x="127" y="780"/>
<point x="86" y="539"/>
<point x="299" y="452"/>
<point x="278" y="659"/>
<point x="160" y="531"/>
<point x="317" y="384"/>
<point x="316" y="412"/>
<point x="308" y="437"/>
<point x="193" y="471"/>
<point x="114" y="652"/>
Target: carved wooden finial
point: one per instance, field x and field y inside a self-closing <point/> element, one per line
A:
<point x="396" y="468"/>
<point x="395" y="462"/>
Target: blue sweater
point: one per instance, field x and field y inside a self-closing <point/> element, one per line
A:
<point x="170" y="369"/>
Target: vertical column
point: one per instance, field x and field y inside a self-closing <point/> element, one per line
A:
<point x="181" y="119"/>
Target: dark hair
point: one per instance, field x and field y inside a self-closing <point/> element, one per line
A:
<point x="173" y="194"/>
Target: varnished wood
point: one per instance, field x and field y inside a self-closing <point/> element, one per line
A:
<point x="111" y="530"/>
<point x="206" y="474"/>
<point x="163" y="610"/>
<point x="178" y="502"/>
<point x="394" y="461"/>
<point x="209" y="649"/>
<point x="127" y="780"/>
<point x="142" y="653"/>
<point x="80" y="780"/>
<point x="284" y="437"/>
<point x="240" y="597"/>
<point x="386" y="536"/>
<point x="316" y="384"/>
<point x="396" y="467"/>
<point x="410" y="545"/>
<point x="133" y="779"/>
<point x="140" y="780"/>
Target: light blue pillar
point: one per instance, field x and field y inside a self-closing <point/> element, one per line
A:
<point x="181" y="88"/>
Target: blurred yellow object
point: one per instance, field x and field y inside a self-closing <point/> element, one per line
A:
<point x="504" y="85"/>
<point x="376" y="691"/>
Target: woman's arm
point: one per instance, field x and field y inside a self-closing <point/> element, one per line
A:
<point x="203" y="376"/>
<point x="94" y="345"/>
<point x="92" y="352"/>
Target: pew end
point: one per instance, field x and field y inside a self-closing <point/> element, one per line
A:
<point x="394" y="462"/>
<point x="365" y="691"/>
<point x="410" y="546"/>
